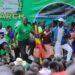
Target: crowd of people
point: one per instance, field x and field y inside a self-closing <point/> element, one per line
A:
<point x="20" y="44"/>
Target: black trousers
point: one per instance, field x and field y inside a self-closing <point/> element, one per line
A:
<point x="32" y="46"/>
<point x="17" y="52"/>
<point x="22" y="46"/>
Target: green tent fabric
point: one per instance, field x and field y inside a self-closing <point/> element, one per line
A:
<point x="30" y="9"/>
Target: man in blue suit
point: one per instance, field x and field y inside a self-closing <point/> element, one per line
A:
<point x="60" y="35"/>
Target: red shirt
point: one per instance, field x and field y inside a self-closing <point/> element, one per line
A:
<point x="59" y="73"/>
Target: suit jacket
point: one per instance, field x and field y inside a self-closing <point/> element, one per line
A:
<point x="64" y="38"/>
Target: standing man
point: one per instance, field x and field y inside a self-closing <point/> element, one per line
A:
<point x="60" y="37"/>
<point x="23" y="30"/>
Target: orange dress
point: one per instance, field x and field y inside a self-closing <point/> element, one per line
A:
<point x="38" y="46"/>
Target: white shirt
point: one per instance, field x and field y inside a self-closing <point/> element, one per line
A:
<point x="45" y="71"/>
<point x="2" y="33"/>
<point x="60" y="34"/>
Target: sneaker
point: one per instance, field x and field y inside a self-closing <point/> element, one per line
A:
<point x="31" y="57"/>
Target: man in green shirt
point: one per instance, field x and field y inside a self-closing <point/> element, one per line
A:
<point x="23" y="30"/>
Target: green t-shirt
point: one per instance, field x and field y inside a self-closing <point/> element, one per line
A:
<point x="25" y="66"/>
<point x="23" y="31"/>
<point x="8" y="39"/>
<point x="40" y="29"/>
<point x="3" y="52"/>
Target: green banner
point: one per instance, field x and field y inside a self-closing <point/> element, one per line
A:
<point x="10" y="9"/>
<point x="35" y="10"/>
